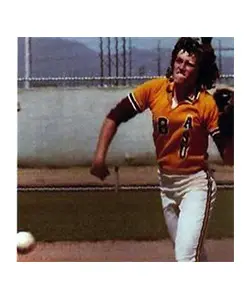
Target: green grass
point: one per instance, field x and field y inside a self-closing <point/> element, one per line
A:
<point x="222" y="220"/>
<point x="76" y="216"/>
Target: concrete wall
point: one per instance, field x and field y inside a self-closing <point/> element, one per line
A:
<point x="59" y="127"/>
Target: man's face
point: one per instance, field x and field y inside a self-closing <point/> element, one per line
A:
<point x="185" y="69"/>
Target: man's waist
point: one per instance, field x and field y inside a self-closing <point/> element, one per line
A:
<point x="181" y="170"/>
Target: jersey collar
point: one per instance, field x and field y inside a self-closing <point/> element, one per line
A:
<point x="194" y="98"/>
<point x="191" y="100"/>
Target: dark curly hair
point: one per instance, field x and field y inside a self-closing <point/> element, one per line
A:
<point x="202" y="49"/>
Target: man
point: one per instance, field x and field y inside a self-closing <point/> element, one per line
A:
<point x="183" y="115"/>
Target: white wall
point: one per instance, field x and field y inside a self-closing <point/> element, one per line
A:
<point x="59" y="127"/>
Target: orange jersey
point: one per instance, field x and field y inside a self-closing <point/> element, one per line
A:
<point x="180" y="134"/>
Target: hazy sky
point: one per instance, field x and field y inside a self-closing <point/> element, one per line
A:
<point x="152" y="42"/>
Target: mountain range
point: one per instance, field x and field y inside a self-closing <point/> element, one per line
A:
<point x="151" y="43"/>
<point x="71" y="57"/>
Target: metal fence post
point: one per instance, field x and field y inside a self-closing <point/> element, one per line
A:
<point x="27" y="61"/>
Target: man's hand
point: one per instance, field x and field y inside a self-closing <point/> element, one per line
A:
<point x="99" y="169"/>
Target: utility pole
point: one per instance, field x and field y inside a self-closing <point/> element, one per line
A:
<point x="27" y="60"/>
<point x="101" y="61"/>
<point x="159" y="58"/>
<point x="124" y="59"/>
<point x="116" y="60"/>
<point x="130" y="56"/>
<point x="109" y="59"/>
<point x="220" y="58"/>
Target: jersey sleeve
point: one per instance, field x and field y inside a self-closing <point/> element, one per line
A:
<point x="140" y="96"/>
<point x="122" y="112"/>
<point x="136" y="102"/>
<point x="212" y="117"/>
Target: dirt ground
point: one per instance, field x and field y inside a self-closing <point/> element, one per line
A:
<point x="81" y="176"/>
<point x="120" y="251"/>
<point x="113" y="251"/>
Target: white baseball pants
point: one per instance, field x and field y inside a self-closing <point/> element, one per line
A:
<point x="187" y="202"/>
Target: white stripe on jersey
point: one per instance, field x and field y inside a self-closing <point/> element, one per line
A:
<point x="131" y="101"/>
<point x="214" y="131"/>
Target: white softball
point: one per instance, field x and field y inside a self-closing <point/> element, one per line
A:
<point x="25" y="241"/>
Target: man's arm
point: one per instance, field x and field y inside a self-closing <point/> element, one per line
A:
<point x="219" y="143"/>
<point x="224" y="99"/>
<point x="99" y="168"/>
<point x="121" y="113"/>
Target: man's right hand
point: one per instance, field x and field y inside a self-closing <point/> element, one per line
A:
<point x="99" y="169"/>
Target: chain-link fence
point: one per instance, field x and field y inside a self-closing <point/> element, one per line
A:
<point x="62" y="62"/>
<point x="98" y="81"/>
